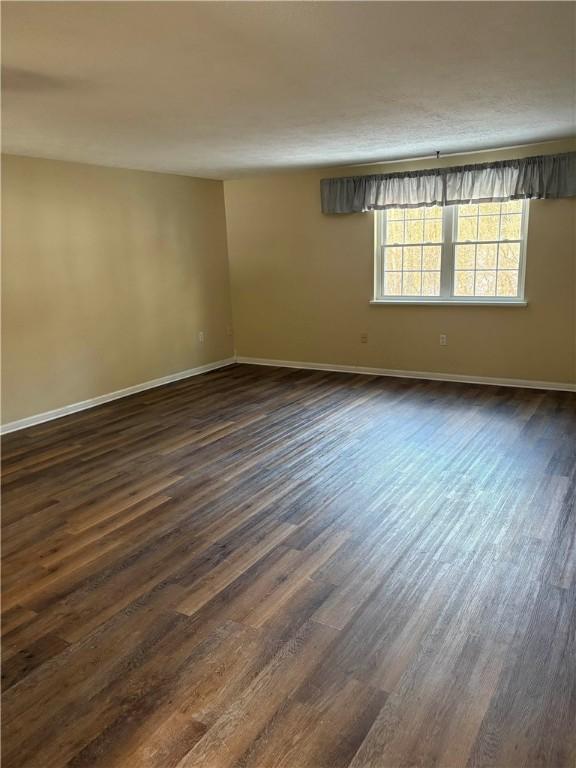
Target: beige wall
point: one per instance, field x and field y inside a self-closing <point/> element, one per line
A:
<point x="302" y="281"/>
<point x="108" y="275"/>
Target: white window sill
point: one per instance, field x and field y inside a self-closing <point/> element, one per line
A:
<point x="453" y="302"/>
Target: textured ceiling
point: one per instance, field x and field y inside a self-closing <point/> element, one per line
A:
<point x="224" y="89"/>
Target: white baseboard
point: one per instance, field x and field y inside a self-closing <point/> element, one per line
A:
<point x="457" y="377"/>
<point x="57" y="413"/>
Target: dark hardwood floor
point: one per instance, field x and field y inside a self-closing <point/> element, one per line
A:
<point x="270" y="568"/>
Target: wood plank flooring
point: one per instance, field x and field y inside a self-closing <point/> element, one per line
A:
<point x="270" y="568"/>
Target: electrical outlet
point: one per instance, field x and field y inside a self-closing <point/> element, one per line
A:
<point x="443" y="340"/>
<point x="201" y="337"/>
<point x="363" y="338"/>
<point x="229" y="330"/>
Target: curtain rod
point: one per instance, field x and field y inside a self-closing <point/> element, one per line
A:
<point x="439" y="155"/>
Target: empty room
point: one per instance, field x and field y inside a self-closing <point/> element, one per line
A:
<point x="288" y="384"/>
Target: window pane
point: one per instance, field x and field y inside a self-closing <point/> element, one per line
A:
<point x="412" y="258"/>
<point x="485" y="283"/>
<point x="465" y="256"/>
<point x="430" y="283"/>
<point x="484" y="209"/>
<point x="403" y="263"/>
<point x="507" y="283"/>
<point x="467" y="228"/>
<point x="431" y="257"/>
<point x="464" y="283"/>
<point x="486" y="256"/>
<point x="393" y="283"/>
<point x="433" y="231"/>
<point x="393" y="258"/>
<point x="511" y="225"/>
<point x="512" y="206"/>
<point x="414" y="213"/>
<point x="411" y="284"/>
<point x="509" y="256"/>
<point x="488" y="264"/>
<point x="395" y="232"/>
<point x="488" y="227"/>
<point x="414" y="231"/>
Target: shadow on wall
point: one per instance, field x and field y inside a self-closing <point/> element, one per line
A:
<point x="23" y="80"/>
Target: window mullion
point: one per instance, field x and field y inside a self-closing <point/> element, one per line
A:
<point x="447" y="265"/>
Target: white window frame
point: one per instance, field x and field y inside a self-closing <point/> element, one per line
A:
<point x="449" y="222"/>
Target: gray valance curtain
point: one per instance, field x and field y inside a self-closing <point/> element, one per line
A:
<point x="544" y="176"/>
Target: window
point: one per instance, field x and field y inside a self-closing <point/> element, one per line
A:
<point x="460" y="253"/>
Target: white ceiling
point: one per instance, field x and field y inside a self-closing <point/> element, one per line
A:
<point x="222" y="89"/>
